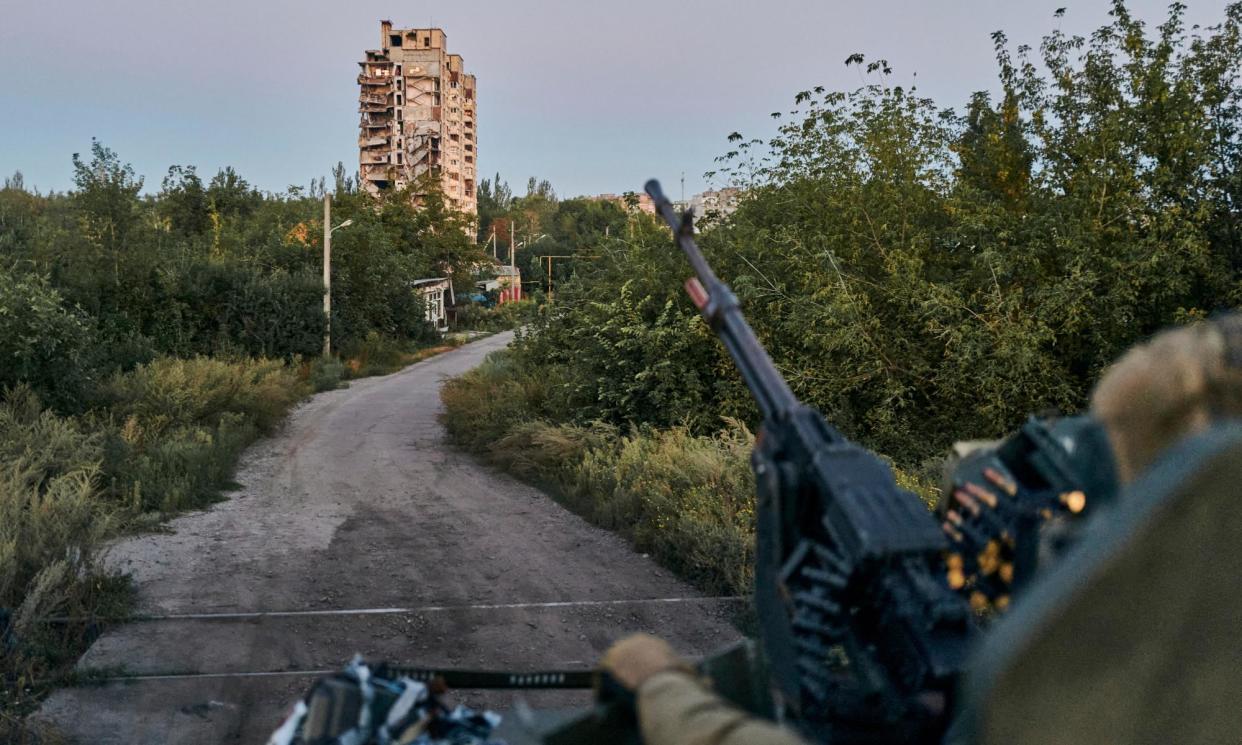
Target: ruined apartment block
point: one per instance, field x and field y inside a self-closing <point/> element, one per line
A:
<point x="418" y="116"/>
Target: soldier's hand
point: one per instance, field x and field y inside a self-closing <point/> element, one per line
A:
<point x="636" y="658"/>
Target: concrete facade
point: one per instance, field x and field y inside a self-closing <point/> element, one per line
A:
<point x="716" y="202"/>
<point x="642" y="202"/>
<point x="418" y="109"/>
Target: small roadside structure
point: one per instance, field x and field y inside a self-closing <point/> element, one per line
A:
<point x="506" y="284"/>
<point x="433" y="292"/>
<point x="509" y="284"/>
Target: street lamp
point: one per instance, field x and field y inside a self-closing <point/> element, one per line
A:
<point x="327" y="271"/>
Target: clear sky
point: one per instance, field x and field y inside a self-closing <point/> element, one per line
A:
<point x="596" y="97"/>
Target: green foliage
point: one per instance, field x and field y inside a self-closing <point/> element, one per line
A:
<point x="163" y="437"/>
<point x="202" y="391"/>
<point x="48" y="495"/>
<point x="212" y="307"/>
<point x="52" y="517"/>
<point x="223" y="268"/>
<point x="922" y="275"/>
<point x="684" y="499"/>
<point x="107" y="197"/>
<point x="184" y="202"/>
<point x="325" y="374"/>
<point x="484" y="403"/>
<point x="573" y="229"/>
<point x="44" y="343"/>
<point x="501" y="317"/>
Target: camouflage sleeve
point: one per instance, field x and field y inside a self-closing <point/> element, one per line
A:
<point x="675" y="709"/>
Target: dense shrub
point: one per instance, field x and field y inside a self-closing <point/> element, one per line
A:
<point x="214" y="306"/>
<point x="43" y="343"/>
<point x="177" y="426"/>
<point x="324" y="374"/>
<point x="203" y="391"/>
<point x="501" y="317"/>
<point x="51" y="515"/>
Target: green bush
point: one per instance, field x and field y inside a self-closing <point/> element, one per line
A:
<point x="923" y="275"/>
<point x="171" y="392"/>
<point x="50" y="507"/>
<point x="486" y="402"/>
<point x="212" y="306"/>
<point x="43" y="343"/>
<point x="325" y="374"/>
<point x="52" y="518"/>
<point x="497" y="318"/>
<point x="685" y="499"/>
<point x="175" y="427"/>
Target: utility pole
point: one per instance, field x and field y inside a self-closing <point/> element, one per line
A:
<point x="327" y="275"/>
<point x="562" y="256"/>
<point x="327" y="271"/>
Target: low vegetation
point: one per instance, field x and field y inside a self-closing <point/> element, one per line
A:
<point x="686" y="499"/>
<point x="161" y="438"/>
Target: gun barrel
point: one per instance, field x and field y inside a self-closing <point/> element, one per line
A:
<point x="724" y="314"/>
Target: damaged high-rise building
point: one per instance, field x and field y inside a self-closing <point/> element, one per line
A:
<point x="418" y="116"/>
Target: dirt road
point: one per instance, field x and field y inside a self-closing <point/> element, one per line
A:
<point x="358" y="503"/>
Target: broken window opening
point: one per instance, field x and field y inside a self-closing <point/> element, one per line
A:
<point x="394" y="40"/>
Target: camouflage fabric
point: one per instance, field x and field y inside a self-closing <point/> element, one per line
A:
<point x="1173" y="386"/>
<point x="675" y="709"/>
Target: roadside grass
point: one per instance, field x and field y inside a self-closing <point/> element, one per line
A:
<point x="157" y="440"/>
<point x="686" y="500"/>
<point x="380" y="355"/>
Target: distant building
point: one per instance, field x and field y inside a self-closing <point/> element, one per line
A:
<point x="418" y="116"/>
<point x="640" y="200"/>
<point x="434" y="291"/>
<point x="718" y="202"/>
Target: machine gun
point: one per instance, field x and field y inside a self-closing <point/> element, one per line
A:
<point x="868" y="604"/>
<point x="864" y="636"/>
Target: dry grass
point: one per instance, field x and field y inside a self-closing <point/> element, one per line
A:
<point x="164" y="437"/>
<point x="686" y="500"/>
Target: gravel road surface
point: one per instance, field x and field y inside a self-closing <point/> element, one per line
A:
<point x="359" y="503"/>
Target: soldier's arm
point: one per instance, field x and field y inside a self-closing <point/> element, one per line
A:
<point x="676" y="709"/>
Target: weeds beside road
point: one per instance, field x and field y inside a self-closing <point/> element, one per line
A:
<point x="687" y="500"/>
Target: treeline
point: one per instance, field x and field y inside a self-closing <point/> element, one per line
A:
<point x="216" y="267"/>
<point x="145" y="340"/>
<point x="919" y="273"/>
<point x="539" y="224"/>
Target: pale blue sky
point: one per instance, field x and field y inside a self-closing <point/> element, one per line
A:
<point x="596" y="97"/>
